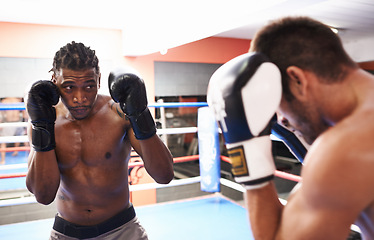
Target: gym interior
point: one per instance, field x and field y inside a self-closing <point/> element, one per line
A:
<point x="176" y="62"/>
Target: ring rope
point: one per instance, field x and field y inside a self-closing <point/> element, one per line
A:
<point x="280" y="174"/>
<point x="277" y="173"/>
<point x="131" y="165"/>
<point x="21" y="105"/>
<point x="160" y="131"/>
<point x="14" y="139"/>
<point x="13" y="124"/>
<point x="15" y="149"/>
<point x="12" y="106"/>
<point x="13" y="166"/>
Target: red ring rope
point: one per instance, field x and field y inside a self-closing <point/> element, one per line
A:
<point x="15" y="149"/>
<point x="12" y="175"/>
<point x="280" y="174"/>
<point x="133" y="164"/>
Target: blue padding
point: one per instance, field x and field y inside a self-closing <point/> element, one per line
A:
<point x="291" y="141"/>
<point x="178" y="104"/>
<point x="12" y="106"/>
<point x="209" y="151"/>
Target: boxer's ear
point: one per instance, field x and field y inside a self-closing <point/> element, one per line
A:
<point x="298" y="82"/>
<point x="53" y="78"/>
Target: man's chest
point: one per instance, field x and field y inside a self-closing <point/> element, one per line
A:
<point x="92" y="143"/>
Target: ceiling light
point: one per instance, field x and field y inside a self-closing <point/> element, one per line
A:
<point x="335" y="30"/>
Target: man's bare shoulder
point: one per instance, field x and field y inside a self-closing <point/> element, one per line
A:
<point x="340" y="163"/>
<point x="353" y="136"/>
<point x="350" y="139"/>
<point x="103" y="99"/>
<point x="114" y="107"/>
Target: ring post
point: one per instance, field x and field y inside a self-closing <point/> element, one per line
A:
<point x="209" y="151"/>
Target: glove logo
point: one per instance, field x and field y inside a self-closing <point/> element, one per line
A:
<point x="239" y="164"/>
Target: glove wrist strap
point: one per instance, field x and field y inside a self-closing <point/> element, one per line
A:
<point x="252" y="161"/>
<point x="143" y="125"/>
<point x="258" y="183"/>
<point x="43" y="137"/>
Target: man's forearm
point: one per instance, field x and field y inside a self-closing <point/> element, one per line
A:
<point x="158" y="160"/>
<point x="264" y="209"/>
<point x="43" y="177"/>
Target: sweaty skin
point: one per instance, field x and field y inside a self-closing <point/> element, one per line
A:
<point x="87" y="173"/>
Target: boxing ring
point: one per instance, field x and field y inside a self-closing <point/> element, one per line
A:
<point x="209" y="216"/>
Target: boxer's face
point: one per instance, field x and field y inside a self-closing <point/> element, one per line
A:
<point x="78" y="90"/>
<point x="303" y="118"/>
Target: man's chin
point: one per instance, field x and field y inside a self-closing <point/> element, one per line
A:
<point x="79" y="118"/>
<point x="79" y="114"/>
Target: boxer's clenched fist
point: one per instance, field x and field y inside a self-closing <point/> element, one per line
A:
<point x="129" y="91"/>
<point x="42" y="96"/>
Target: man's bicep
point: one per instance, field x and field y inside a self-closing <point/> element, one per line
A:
<point x="305" y="217"/>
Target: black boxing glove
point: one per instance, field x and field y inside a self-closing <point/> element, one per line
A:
<point x="42" y="96"/>
<point x="129" y="91"/>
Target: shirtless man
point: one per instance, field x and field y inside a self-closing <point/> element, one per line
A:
<point x="81" y="148"/>
<point x="329" y="100"/>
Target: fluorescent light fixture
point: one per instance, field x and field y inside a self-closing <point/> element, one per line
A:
<point x="335" y="30"/>
<point x="163" y="52"/>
